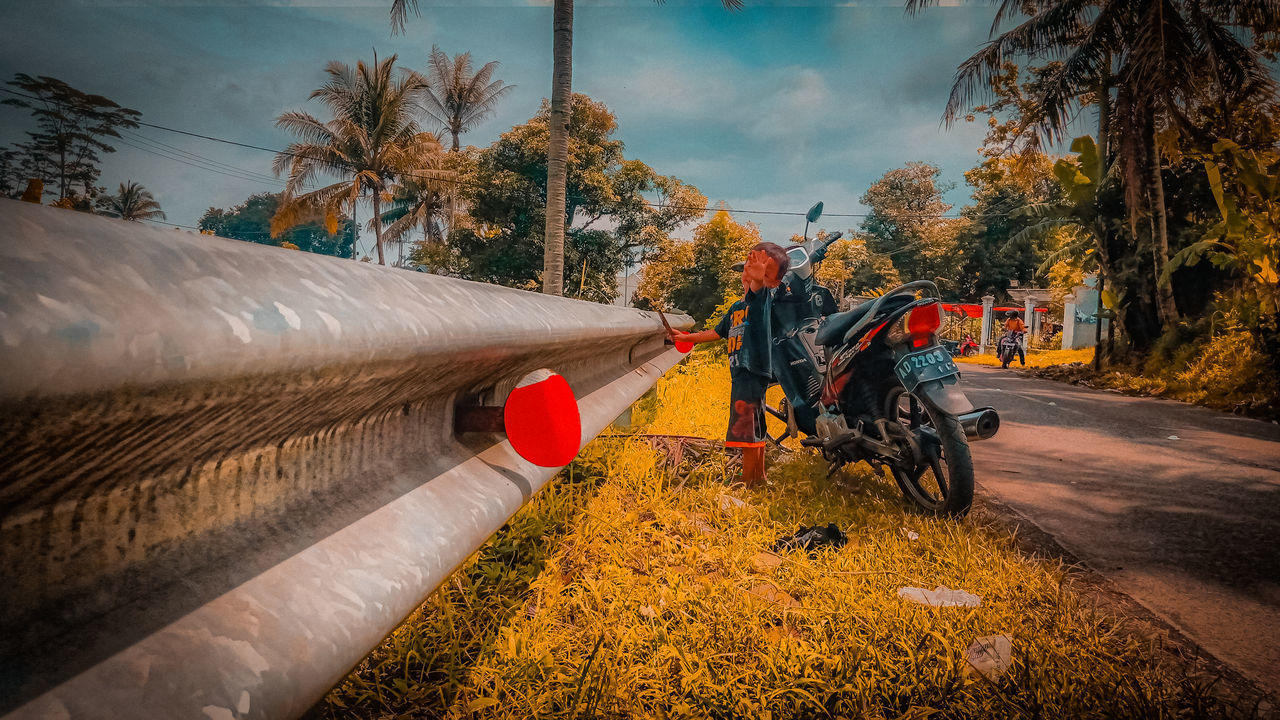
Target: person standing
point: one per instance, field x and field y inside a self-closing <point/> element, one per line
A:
<point x="745" y="330"/>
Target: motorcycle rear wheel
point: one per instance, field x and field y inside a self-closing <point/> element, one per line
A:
<point x="943" y="484"/>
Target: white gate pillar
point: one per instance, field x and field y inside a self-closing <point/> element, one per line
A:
<point x="987" y="302"/>
<point x="1068" y="326"/>
<point x="1029" y="306"/>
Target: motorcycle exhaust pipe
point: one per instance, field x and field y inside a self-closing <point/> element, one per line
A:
<point x="980" y="424"/>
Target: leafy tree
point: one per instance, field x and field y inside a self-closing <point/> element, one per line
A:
<point x="906" y="223"/>
<point x="458" y="96"/>
<point x="506" y="194"/>
<point x="697" y="276"/>
<point x="251" y="221"/>
<point x="995" y="251"/>
<point x="71" y="129"/>
<point x="850" y="268"/>
<point x="371" y="138"/>
<point x="1013" y="172"/>
<point x="1163" y="57"/>
<point x="131" y="202"/>
<point x="560" y="112"/>
<point x="1080" y="178"/>
<point x="1246" y="241"/>
<point x="12" y="182"/>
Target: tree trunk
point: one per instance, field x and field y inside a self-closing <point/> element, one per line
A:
<point x="1165" y="305"/>
<point x="355" y="233"/>
<point x="1103" y="92"/>
<point x="64" y="179"/>
<point x="558" y="148"/>
<point x="377" y="223"/>
<point x="1097" y="329"/>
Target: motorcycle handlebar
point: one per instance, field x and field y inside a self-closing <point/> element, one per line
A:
<point x="821" y="252"/>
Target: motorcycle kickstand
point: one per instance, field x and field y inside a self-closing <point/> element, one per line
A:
<point x="834" y="467"/>
<point x="777" y="442"/>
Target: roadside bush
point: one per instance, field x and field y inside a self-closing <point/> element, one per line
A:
<point x="1231" y="368"/>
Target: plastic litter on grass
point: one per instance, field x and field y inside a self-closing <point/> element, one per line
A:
<point x="990" y="656"/>
<point x="940" y="596"/>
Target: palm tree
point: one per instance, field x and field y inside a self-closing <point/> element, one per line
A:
<point x="1160" y="55"/>
<point x="421" y="197"/>
<point x="458" y="97"/>
<point x="1081" y="178"/>
<point x="558" y="144"/>
<point x="372" y="138"/>
<point x="131" y="202"/>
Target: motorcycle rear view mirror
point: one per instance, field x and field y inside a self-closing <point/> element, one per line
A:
<point x="814" y="213"/>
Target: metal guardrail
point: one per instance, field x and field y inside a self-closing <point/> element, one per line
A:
<point x="228" y="470"/>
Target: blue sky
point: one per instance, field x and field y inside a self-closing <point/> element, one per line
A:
<point x="769" y="108"/>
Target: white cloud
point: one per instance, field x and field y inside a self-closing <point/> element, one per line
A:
<point x="797" y="103"/>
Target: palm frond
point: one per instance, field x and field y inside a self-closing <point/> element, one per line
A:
<point x="1046" y="34"/>
<point x="400" y="12"/>
<point x="305" y="125"/>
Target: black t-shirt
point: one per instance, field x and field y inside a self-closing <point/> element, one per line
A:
<point x="748" y="348"/>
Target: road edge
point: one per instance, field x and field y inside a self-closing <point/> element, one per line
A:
<point x="1231" y="686"/>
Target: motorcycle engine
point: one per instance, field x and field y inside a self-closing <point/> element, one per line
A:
<point x="831" y="426"/>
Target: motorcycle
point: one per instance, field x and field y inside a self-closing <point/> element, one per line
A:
<point x="1008" y="348"/>
<point x="875" y="384"/>
<point x="962" y="348"/>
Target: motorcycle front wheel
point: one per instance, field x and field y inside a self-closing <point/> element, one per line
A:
<point x="942" y="484"/>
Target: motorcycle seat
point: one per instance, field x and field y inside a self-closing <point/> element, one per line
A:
<point x="833" y="328"/>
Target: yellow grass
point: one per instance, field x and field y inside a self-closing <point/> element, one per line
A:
<point x="1035" y="358"/>
<point x="632" y="589"/>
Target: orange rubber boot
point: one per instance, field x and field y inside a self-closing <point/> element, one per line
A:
<point x="753" y="472"/>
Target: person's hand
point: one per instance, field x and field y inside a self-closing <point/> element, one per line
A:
<point x="678" y="336"/>
<point x="753" y="271"/>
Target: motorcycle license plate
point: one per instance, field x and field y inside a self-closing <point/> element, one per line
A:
<point x="924" y="366"/>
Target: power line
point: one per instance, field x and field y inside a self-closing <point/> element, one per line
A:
<point x="239" y="175"/>
<point x="164" y="222"/>
<point x="169" y="151"/>
<point x="457" y="182"/>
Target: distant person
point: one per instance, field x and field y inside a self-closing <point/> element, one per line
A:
<point x="1014" y="329"/>
<point x="748" y="358"/>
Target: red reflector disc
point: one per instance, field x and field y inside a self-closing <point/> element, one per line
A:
<point x="684" y="347"/>
<point x="542" y="420"/>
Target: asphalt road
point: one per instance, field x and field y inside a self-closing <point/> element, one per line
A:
<point x="1178" y="505"/>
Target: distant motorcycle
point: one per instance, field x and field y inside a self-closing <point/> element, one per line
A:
<point x="876" y="384"/>
<point x="966" y="347"/>
<point x="1009" y="346"/>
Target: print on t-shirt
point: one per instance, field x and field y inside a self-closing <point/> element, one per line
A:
<point x="731" y="328"/>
